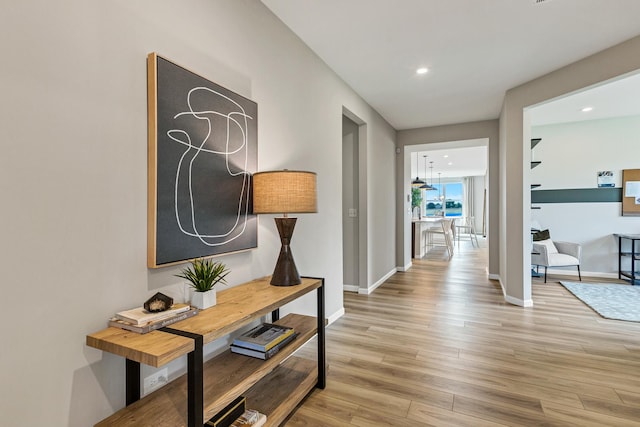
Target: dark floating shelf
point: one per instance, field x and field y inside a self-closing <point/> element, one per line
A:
<point x="534" y="142"/>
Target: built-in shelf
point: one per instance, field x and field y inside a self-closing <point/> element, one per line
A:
<point x="534" y="142"/>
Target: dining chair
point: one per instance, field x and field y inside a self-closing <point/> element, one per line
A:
<point x="468" y="229"/>
<point x="446" y="231"/>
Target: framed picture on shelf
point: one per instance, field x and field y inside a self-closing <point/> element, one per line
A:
<point x="202" y="152"/>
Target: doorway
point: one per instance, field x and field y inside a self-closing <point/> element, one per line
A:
<point x="350" y="205"/>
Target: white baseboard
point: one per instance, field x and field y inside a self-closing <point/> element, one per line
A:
<point x="574" y="272"/>
<point x="335" y="316"/>
<point x="518" y="302"/>
<point x="510" y="299"/>
<point x="405" y="268"/>
<point x="350" y="288"/>
<point x="373" y="287"/>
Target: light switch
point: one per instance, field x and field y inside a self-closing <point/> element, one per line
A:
<point x="353" y="213"/>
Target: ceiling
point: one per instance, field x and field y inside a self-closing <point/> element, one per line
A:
<point x="450" y="162"/>
<point x="613" y="99"/>
<point x="475" y="50"/>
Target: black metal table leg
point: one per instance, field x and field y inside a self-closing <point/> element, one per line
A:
<point x="195" y="382"/>
<point x="322" y="362"/>
<point x="132" y="381"/>
<point x="195" y="385"/>
<point x="619" y="257"/>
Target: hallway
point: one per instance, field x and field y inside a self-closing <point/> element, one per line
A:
<point x="437" y="345"/>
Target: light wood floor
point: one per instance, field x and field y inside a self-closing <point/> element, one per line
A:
<point x="437" y="345"/>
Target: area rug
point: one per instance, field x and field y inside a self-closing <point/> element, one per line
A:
<point x="609" y="300"/>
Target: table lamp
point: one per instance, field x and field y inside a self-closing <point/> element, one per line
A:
<point x="284" y="192"/>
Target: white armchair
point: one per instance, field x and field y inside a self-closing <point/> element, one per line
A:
<point x="547" y="253"/>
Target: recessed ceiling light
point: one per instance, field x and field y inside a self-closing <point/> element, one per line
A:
<point x="445" y="156"/>
<point x="587" y="109"/>
<point x="422" y="70"/>
<point x="450" y="163"/>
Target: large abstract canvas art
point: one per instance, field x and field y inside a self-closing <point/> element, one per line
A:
<point x="202" y="153"/>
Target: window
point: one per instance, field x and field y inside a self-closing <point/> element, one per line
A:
<point x="453" y="199"/>
<point x="447" y="198"/>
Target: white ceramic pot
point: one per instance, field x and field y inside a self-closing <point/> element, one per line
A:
<point x="203" y="300"/>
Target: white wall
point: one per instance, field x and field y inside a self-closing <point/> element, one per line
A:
<point x="73" y="171"/>
<point x="571" y="155"/>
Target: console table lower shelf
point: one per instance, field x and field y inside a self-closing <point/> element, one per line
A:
<point x="273" y="387"/>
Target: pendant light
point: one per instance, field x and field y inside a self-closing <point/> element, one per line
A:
<point x="426" y="186"/>
<point x="417" y="182"/>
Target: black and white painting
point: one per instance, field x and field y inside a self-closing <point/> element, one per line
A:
<point x="202" y="153"/>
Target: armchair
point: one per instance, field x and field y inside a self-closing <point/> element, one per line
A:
<point x="547" y="253"/>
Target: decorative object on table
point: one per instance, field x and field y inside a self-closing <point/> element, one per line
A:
<point x="202" y="145"/>
<point x="203" y="275"/>
<point x="139" y="316"/>
<point x="152" y="326"/>
<point x="609" y="300"/>
<point x="284" y="192"/>
<point x="229" y="414"/>
<point x="158" y="302"/>
<point x="263" y="337"/>
<point x="264" y="355"/>
<point x="250" y="418"/>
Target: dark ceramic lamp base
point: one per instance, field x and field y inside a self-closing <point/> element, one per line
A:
<point x="285" y="273"/>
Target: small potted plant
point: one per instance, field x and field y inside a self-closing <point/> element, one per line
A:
<point x="203" y="275"/>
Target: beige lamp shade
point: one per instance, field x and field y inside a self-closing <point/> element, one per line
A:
<point x="284" y="192"/>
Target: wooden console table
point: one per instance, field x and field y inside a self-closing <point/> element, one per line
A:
<point x="274" y="386"/>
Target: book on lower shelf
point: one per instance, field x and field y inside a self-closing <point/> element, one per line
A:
<point x="229" y="414"/>
<point x="152" y="326"/>
<point x="252" y="418"/>
<point x="139" y="316"/>
<point x="264" y="355"/>
<point x="263" y="337"/>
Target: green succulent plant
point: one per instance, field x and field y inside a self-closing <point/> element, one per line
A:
<point x="204" y="274"/>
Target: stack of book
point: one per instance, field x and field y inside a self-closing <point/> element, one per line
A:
<point x="251" y="417"/>
<point x="235" y="414"/>
<point x="142" y="321"/>
<point x="263" y="341"/>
